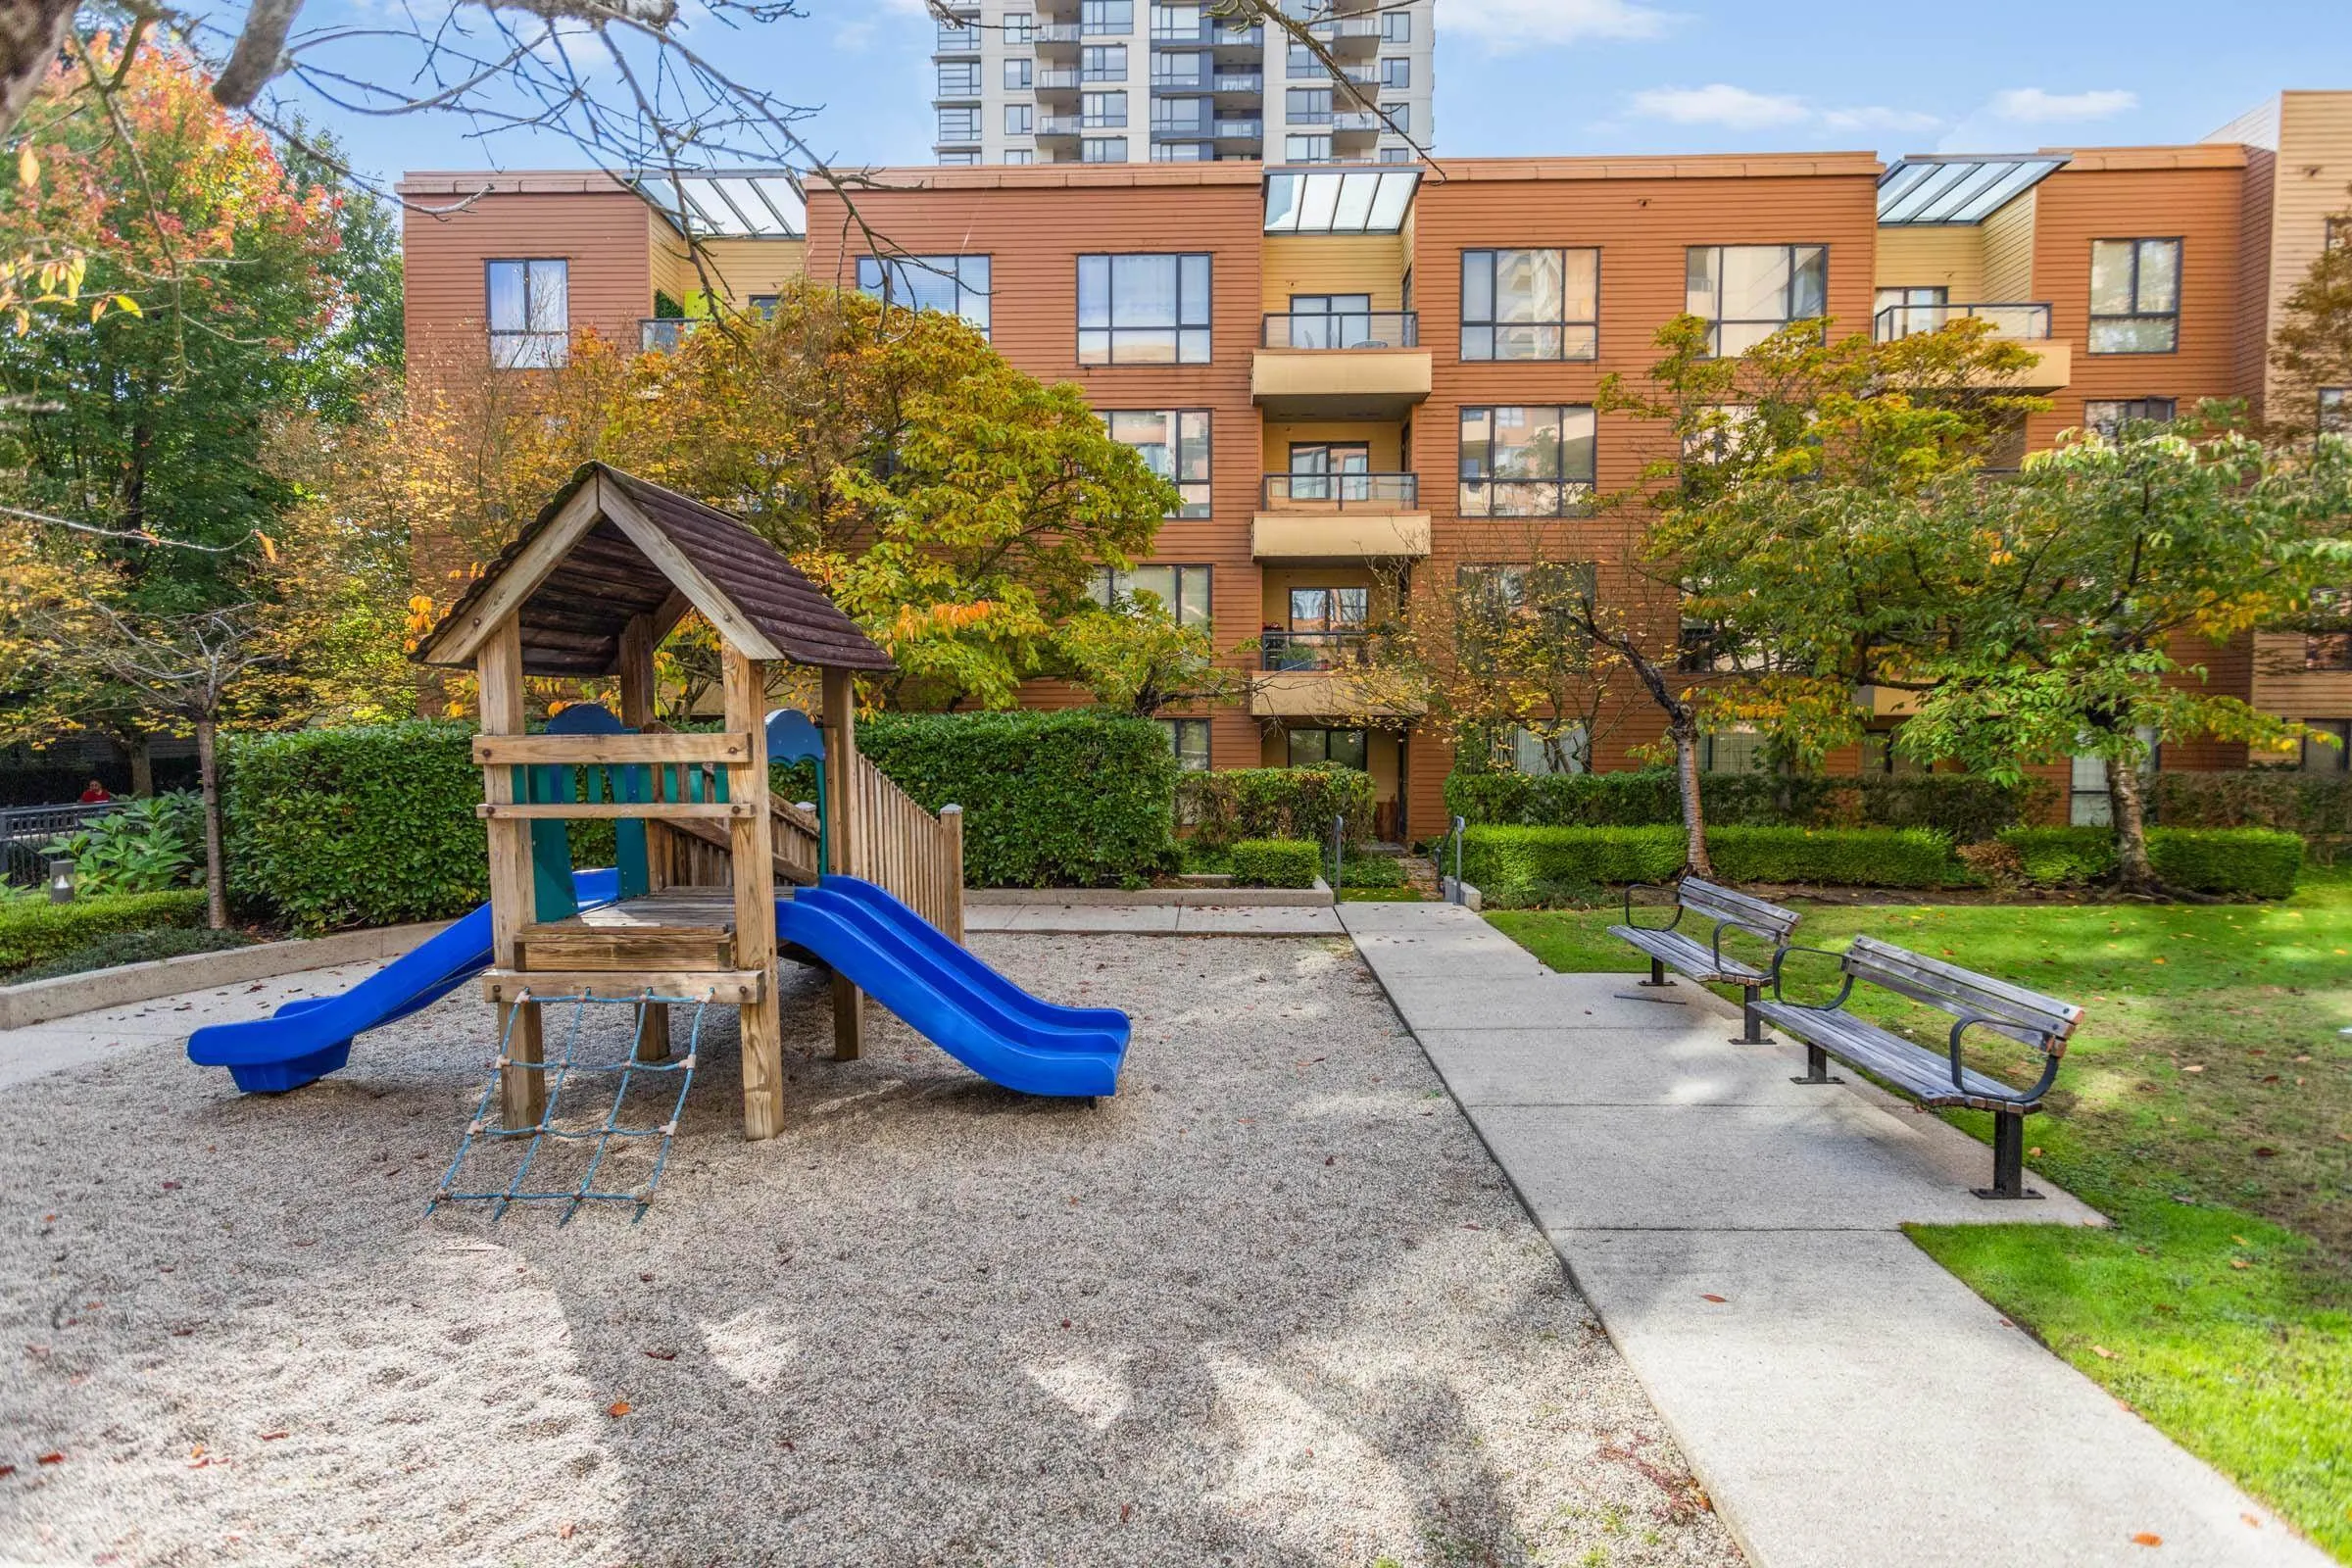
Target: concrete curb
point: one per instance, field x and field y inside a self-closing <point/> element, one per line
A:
<point x="1318" y="896"/>
<point x="39" y="1000"/>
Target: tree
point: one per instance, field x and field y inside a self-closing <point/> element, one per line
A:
<point x="2069" y="591"/>
<point x="958" y="509"/>
<point x="2311" y="348"/>
<point x="1133" y="655"/>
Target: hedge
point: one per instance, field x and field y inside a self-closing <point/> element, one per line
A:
<point x="1375" y="871"/>
<point x="1967" y="808"/>
<point x="1515" y="863"/>
<point x="1073" y="798"/>
<point x="2251" y="862"/>
<point x="1275" y="803"/>
<point x="33" y="931"/>
<point x="2314" y="805"/>
<point x="1276" y="862"/>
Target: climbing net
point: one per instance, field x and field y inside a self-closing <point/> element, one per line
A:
<point x="570" y="1138"/>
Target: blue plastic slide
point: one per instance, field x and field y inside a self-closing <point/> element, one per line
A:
<point x="944" y="992"/>
<point x="308" y="1039"/>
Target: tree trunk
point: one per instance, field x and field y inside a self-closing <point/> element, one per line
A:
<point x="32" y="32"/>
<point x="2134" y="871"/>
<point x="143" y="764"/>
<point x="207" y="769"/>
<point x="1694" y="815"/>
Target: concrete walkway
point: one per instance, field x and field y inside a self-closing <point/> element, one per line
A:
<point x="1843" y="1399"/>
<point x="85" y="1037"/>
<point x="1155" y="920"/>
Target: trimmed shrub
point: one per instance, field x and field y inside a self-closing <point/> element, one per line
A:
<point x="1275" y="803"/>
<point x="1509" y="863"/>
<point x="1375" y="871"/>
<point x="2062" y="857"/>
<point x="35" y="932"/>
<point x="1073" y="798"/>
<point x="2313" y="804"/>
<point x="135" y="946"/>
<point x="1852" y="857"/>
<point x="1964" y="806"/>
<point x="1276" y="862"/>
<point x="361" y="827"/>
<point x="2254" y="862"/>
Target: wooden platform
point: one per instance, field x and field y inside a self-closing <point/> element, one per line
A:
<point x="678" y="939"/>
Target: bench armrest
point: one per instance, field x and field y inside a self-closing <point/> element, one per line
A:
<point x="1655" y="887"/>
<point x="2049" y="1060"/>
<point x="1722" y="926"/>
<point x="1781" y="955"/>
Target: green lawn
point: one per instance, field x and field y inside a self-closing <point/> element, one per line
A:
<point x="2206" y="1105"/>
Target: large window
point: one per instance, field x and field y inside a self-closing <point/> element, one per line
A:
<point x="957" y="284"/>
<point x="2111" y="417"/>
<point x="1399" y="118"/>
<point x="1301" y="61"/>
<point x="1106" y="16"/>
<point x="1307" y="149"/>
<point x="1530" y="304"/>
<point x="959" y="79"/>
<point x="1188" y="738"/>
<point x="1901" y="311"/>
<point x="1103" y="150"/>
<point x="1397" y="72"/>
<point x="530" y="313"/>
<point x="1174" y="444"/>
<point x="1312" y="748"/>
<point x="1020" y="119"/>
<point x="1539" y="749"/>
<point x="960" y="124"/>
<point x="1396" y="26"/>
<point x="1306" y="106"/>
<point x="2317" y="757"/>
<point x="1097" y="111"/>
<point x="2134" y="296"/>
<point x="1182" y="117"/>
<point x="1180" y="70"/>
<point x="1181" y="591"/>
<point x="1103" y="62"/>
<point x="1745" y="293"/>
<point x="1143" y="309"/>
<point x="1526" y="462"/>
<point x="1731" y="750"/>
<point x="1020" y="75"/>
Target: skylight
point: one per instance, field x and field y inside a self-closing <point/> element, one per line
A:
<point x="1950" y="190"/>
<point x="1339" y="201"/>
<point x="728" y="203"/>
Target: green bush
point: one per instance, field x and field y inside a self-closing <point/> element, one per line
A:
<point x="135" y="946"/>
<point x="1276" y="862"/>
<point x="2313" y="804"/>
<point x="1275" y="803"/>
<point x="2062" y="857"/>
<point x="2254" y="862"/>
<point x="1966" y="807"/>
<point x="1512" y="863"/>
<point x="141" y="846"/>
<point x="34" y="932"/>
<point x="1074" y="798"/>
<point x="1375" y="871"/>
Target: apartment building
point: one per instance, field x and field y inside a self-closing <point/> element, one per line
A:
<point x="1118" y="81"/>
<point x="1366" y="380"/>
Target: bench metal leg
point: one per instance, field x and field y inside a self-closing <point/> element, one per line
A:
<point x="1751" y="1027"/>
<point x="2008" y="1159"/>
<point x="1817" y="1068"/>
<point x="1657" y="975"/>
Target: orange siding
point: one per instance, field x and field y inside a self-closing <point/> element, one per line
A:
<point x="596" y="226"/>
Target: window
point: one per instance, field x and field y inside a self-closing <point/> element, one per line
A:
<point x="1181" y="591"/>
<point x="1103" y="62"/>
<point x="1180" y="70"/>
<point x="1735" y="751"/>
<point x="1397" y="72"/>
<point x="967" y="158"/>
<point x="2134" y="296"/>
<point x="1747" y="292"/>
<point x="1530" y="304"/>
<point x="958" y="36"/>
<point x="765" y="304"/>
<point x="2336" y="410"/>
<point x="1716" y="431"/>
<point x="2320" y="758"/>
<point x="958" y="285"/>
<point x="1880" y="755"/>
<point x="1301" y="63"/>
<point x="1020" y="75"/>
<point x="1524" y="462"/>
<point x="1103" y="150"/>
<point x="1021" y="155"/>
<point x="1106" y="16"/>
<point x="1188" y="738"/>
<point x="959" y="79"/>
<point x="1559" y="748"/>
<point x="1331" y="471"/>
<point x="1183" y="152"/>
<point x="1018" y="26"/>
<point x="960" y="124"/>
<point x="1306" y="106"/>
<point x="1496" y="602"/>
<point x="2339" y="232"/>
<point x="1307" y="149"/>
<point x="1174" y="444"/>
<point x="1396" y="26"/>
<point x="1396" y="155"/>
<point x="1901" y="311"/>
<point x="2110" y="417"/>
<point x="1399" y="118"/>
<point x="530" y="313"/>
<point x="2089" y="803"/>
<point x="2328" y="643"/>
<point x="1099" y="109"/>
<point x="1343" y="748"/>
<point x="1143" y="309"/>
<point x="1182" y="116"/>
<point x="1177" y="22"/>
<point x="1331" y="321"/>
<point x="1020" y="119"/>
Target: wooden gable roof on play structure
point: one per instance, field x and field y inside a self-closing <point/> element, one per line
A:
<point x="608" y="548"/>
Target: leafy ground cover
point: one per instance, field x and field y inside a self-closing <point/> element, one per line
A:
<point x="132" y="947"/>
<point x="2206" y="1106"/>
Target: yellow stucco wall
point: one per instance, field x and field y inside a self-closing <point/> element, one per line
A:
<point x="2008" y="252"/>
<point x="1334" y="264"/>
<point x="1951" y="258"/>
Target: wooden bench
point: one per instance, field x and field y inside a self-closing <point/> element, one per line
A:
<point x="1933" y="1078"/>
<point x="1669" y="947"/>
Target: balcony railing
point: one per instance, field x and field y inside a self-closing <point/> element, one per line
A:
<point x="1224" y="38"/>
<point x="1057" y="124"/>
<point x="1240" y="130"/>
<point x="664" y="331"/>
<point x="1342" y="492"/>
<point x="1055" y="32"/>
<point x="1053" y="81"/>
<point x="1342" y="329"/>
<point x="1313" y="650"/>
<point x="1243" y="81"/>
<point x="1344" y="28"/>
<point x="2028" y="322"/>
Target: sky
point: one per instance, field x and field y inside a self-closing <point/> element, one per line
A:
<point x="1579" y="76"/>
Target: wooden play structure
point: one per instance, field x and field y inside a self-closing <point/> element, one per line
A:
<point x="589" y="590"/>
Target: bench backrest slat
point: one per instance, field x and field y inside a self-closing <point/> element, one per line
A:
<point x="2025" y="1015"/>
<point x="1721" y="904"/>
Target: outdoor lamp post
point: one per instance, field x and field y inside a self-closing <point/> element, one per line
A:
<point x="61" y="881"/>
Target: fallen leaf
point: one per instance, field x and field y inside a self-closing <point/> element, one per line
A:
<point x="7" y="1470"/>
<point x="564" y="1532"/>
<point x="2197" y="1066"/>
<point x="170" y="1187"/>
<point x="1711" y="1296"/>
<point x="2241" y="1240"/>
<point x="2147" y="1538"/>
<point x="272" y="1437"/>
<point x="2102" y="1353"/>
<point x="662" y="1355"/>
<point x="2239" y="1262"/>
<point x="617" y="1408"/>
<point x="51" y="1459"/>
<point x="2251" y="1520"/>
<point x="2266" y="1152"/>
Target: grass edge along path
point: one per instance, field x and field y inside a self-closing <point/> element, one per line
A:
<point x="2207" y="1025"/>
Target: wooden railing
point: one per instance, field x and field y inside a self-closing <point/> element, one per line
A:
<point x="917" y="856"/>
<point x="700" y="857"/>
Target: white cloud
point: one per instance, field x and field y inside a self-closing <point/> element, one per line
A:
<point x="2033" y="107"/>
<point x="1740" y="108"/>
<point x="1521" y="22"/>
<point x="1721" y="103"/>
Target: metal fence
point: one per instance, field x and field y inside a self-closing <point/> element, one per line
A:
<point x="24" y="829"/>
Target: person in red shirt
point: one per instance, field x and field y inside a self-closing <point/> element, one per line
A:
<point x="95" y="794"/>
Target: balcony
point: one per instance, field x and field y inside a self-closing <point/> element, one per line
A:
<point x="1057" y="126"/>
<point x="2028" y="323"/>
<point x="1328" y="518"/>
<point x="1240" y="130"/>
<point x="1364" y="364"/>
<point x="1054" y="35"/>
<point x="1342" y="330"/>
<point x="1064" y="80"/>
<point x="1212" y="35"/>
<point x="1321" y="675"/>
<point x="1346" y="35"/>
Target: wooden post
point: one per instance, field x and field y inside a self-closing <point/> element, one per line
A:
<point x="752" y="843"/>
<point x="841" y="840"/>
<point x="498" y="672"/>
<point x="637" y="711"/>
<point x="951" y="822"/>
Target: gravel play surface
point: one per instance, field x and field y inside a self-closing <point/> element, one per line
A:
<point x="1272" y="1304"/>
